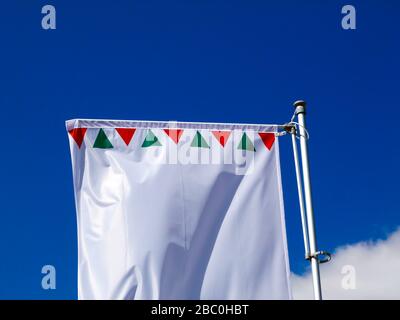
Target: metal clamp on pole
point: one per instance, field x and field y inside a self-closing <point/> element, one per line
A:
<point x="290" y="128"/>
<point x="321" y="256"/>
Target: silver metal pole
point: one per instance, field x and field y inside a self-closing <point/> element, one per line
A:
<point x="301" y="194"/>
<point x="300" y="112"/>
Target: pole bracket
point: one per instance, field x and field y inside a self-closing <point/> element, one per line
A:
<point x="290" y="128"/>
<point x="321" y="256"/>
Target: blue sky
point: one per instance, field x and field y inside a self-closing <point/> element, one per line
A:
<point x="219" y="61"/>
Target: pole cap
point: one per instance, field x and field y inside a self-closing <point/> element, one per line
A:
<point x="299" y="103"/>
<point x="300" y="106"/>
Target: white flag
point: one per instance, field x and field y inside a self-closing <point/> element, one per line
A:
<point x="178" y="210"/>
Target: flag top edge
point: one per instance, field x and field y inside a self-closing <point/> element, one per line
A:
<point x="143" y="124"/>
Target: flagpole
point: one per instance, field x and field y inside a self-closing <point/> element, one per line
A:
<point x="300" y="112"/>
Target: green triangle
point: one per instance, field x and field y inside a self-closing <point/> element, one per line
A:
<point x="199" y="141"/>
<point x="102" y="141"/>
<point x="150" y="140"/>
<point x="246" y="144"/>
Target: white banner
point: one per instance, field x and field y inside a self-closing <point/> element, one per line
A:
<point x="178" y="210"/>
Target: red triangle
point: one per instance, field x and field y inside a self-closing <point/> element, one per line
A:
<point x="78" y="134"/>
<point x="268" y="138"/>
<point x="174" y="134"/>
<point x="126" y="134"/>
<point x="222" y="136"/>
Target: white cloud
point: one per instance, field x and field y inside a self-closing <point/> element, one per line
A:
<point x="377" y="272"/>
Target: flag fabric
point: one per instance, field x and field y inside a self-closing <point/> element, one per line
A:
<point x="178" y="210"/>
